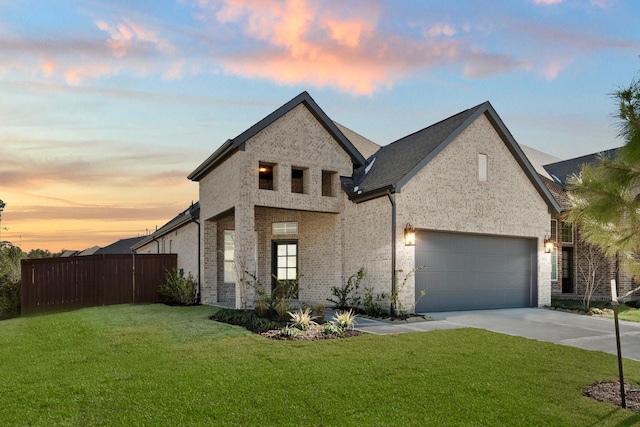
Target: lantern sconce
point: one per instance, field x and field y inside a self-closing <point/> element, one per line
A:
<point x="409" y="235"/>
<point x="548" y="244"/>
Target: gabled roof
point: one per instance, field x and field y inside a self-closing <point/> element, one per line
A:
<point x="238" y="143"/>
<point x="395" y="164"/>
<point x="538" y="159"/>
<point x="561" y="171"/>
<point x="190" y="214"/>
<point x="122" y="246"/>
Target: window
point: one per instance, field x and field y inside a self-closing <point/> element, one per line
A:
<point x="482" y="167"/>
<point x="567" y="232"/>
<point x="285" y="267"/>
<point x="229" y="257"/>
<point x="266" y="172"/>
<point x="284" y="228"/>
<point x="298" y="180"/>
<point x="554" y="264"/>
<point x="328" y="178"/>
<point x="554" y="230"/>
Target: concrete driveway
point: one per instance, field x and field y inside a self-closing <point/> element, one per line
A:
<point x="586" y="332"/>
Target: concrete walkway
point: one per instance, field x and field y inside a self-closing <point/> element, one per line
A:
<point x="586" y="332"/>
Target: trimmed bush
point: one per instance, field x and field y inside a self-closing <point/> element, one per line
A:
<point x="178" y="289"/>
<point x="9" y="298"/>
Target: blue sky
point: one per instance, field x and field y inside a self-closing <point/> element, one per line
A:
<point x="106" y="107"/>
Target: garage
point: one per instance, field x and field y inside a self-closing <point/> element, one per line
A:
<point x="474" y="271"/>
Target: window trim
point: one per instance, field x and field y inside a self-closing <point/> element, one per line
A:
<point x="554" y="264"/>
<point x="290" y="227"/>
<point x="226" y="261"/>
<point x="568" y="224"/>
<point x="554" y="230"/>
<point x="483" y="167"/>
<point x="274" y="260"/>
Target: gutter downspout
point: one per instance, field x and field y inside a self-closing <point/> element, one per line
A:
<point x="393" y="246"/>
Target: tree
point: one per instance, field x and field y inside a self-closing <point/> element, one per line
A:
<point x="606" y="196"/>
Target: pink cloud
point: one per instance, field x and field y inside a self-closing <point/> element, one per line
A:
<point x="442" y="29"/>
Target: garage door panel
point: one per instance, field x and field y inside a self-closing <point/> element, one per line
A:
<point x="468" y="271"/>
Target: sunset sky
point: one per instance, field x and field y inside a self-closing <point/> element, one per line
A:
<point x="107" y="106"/>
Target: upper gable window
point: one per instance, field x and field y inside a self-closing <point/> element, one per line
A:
<point x="482" y="167"/>
<point x="328" y="179"/>
<point x="266" y="174"/>
<point x="298" y="181"/>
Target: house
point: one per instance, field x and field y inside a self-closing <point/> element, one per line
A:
<point x="178" y="236"/>
<point x="574" y="262"/>
<point x="298" y="196"/>
<point x="122" y="246"/>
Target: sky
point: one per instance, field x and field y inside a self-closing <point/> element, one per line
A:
<point x="107" y="106"/>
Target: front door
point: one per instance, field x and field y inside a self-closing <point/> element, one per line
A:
<point x="567" y="270"/>
<point x="285" y="268"/>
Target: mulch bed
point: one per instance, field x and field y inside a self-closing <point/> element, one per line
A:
<point x="609" y="391"/>
<point x="309" y="335"/>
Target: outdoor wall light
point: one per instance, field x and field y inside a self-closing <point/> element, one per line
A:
<point x="409" y="235"/>
<point x="548" y="244"/>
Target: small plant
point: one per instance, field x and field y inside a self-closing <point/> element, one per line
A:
<point x="320" y="311"/>
<point x="178" y="289"/>
<point x="344" y="319"/>
<point x="331" y="328"/>
<point x="261" y="307"/>
<point x="397" y="308"/>
<point x="290" y="331"/>
<point x="282" y="309"/>
<point x="302" y="319"/>
<point x="372" y="303"/>
<point x="346" y="296"/>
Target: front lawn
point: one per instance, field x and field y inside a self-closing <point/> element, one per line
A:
<point x="166" y="366"/>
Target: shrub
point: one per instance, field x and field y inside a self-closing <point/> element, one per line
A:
<point x="331" y="328"/>
<point x="320" y="311"/>
<point x="289" y="331"/>
<point x="178" y="289"/>
<point x="282" y="309"/>
<point x="347" y="294"/>
<point x="372" y="303"/>
<point x="302" y="319"/>
<point x="344" y="319"/>
<point x="245" y="319"/>
<point x="9" y="297"/>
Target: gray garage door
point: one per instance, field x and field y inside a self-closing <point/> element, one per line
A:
<point x="473" y="272"/>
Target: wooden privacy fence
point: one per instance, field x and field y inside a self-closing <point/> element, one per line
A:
<point x="85" y="281"/>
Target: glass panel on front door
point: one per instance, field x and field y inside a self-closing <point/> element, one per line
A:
<point x="285" y="266"/>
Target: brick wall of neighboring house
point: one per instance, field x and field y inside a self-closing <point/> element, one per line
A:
<point x="209" y="266"/>
<point x="446" y="195"/>
<point x="605" y="269"/>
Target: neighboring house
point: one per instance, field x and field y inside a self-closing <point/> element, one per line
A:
<point x="66" y="253"/>
<point x="178" y="236"/>
<point x="122" y="246"/>
<point x="574" y="262"/>
<point x="89" y="251"/>
<point x="299" y="196"/>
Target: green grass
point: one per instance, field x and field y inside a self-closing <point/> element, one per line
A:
<point x="167" y="366"/>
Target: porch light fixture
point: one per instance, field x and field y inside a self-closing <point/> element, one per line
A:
<point x="409" y="235"/>
<point x="548" y="244"/>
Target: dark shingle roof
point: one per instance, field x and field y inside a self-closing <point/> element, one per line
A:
<point x="122" y="246"/>
<point x="395" y="164"/>
<point x="390" y="164"/>
<point x="190" y="214"/>
<point x="561" y="171"/>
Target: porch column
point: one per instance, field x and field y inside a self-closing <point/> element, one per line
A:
<point x="245" y="249"/>
<point x="209" y="262"/>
